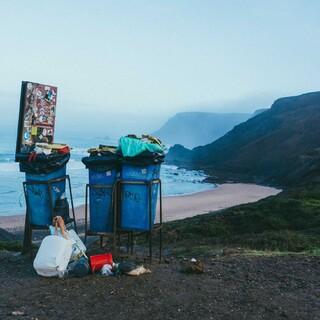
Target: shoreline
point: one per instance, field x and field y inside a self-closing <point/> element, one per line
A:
<point x="181" y="206"/>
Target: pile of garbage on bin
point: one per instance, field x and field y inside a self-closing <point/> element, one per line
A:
<point x="43" y="158"/>
<point x="143" y="150"/>
<point x="134" y="159"/>
<point x="62" y="254"/>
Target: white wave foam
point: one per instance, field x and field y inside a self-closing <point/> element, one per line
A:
<point x="9" y="166"/>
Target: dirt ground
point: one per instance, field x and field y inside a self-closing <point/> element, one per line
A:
<point x="232" y="287"/>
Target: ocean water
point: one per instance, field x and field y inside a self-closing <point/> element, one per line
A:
<point x="175" y="181"/>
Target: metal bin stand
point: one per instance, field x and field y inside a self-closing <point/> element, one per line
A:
<point x="27" y="241"/>
<point x="152" y="226"/>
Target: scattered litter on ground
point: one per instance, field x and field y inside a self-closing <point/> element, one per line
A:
<point x="130" y="268"/>
<point x="79" y="268"/>
<point x="107" y="270"/>
<point x="138" y="271"/>
<point x="192" y="266"/>
<point x="99" y="260"/>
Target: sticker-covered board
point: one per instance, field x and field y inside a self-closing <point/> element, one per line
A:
<point x="37" y="115"/>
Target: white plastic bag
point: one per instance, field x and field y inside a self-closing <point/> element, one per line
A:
<point x="107" y="270"/>
<point x="138" y="271"/>
<point x="78" y="248"/>
<point x="53" y="256"/>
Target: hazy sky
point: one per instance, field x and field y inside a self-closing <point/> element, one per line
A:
<point x="159" y="57"/>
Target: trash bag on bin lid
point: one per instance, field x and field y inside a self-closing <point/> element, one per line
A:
<point x="41" y="163"/>
<point x="102" y="158"/>
<point x="44" y="158"/>
<point x="132" y="146"/>
<point x="48" y="148"/>
<point x="103" y="150"/>
<point x="145" y="158"/>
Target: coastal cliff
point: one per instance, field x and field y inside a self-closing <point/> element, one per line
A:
<point x="279" y="146"/>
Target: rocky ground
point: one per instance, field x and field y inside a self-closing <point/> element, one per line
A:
<point x="232" y="287"/>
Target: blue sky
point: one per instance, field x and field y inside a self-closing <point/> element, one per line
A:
<point x="154" y="58"/>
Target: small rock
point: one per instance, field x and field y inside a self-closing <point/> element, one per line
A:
<point x="17" y="313"/>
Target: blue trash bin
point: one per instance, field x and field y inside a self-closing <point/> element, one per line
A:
<point x="38" y="199"/>
<point x="100" y="199"/>
<point x="134" y="206"/>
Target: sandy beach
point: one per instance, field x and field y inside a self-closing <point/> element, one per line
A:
<point x="180" y="207"/>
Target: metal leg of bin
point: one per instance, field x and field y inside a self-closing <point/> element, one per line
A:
<point x="118" y="219"/>
<point x="86" y="214"/>
<point x="130" y="243"/>
<point x="150" y="220"/>
<point x="130" y="234"/>
<point x="72" y="205"/>
<point x="119" y="242"/>
<point x="27" y="238"/>
<point x="113" y="205"/>
<point x="115" y="219"/>
<point x="101" y="242"/>
<point x="160" y="231"/>
<point x="119" y="202"/>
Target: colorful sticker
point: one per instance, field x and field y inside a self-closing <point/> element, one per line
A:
<point x="26" y="136"/>
<point x="34" y="131"/>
